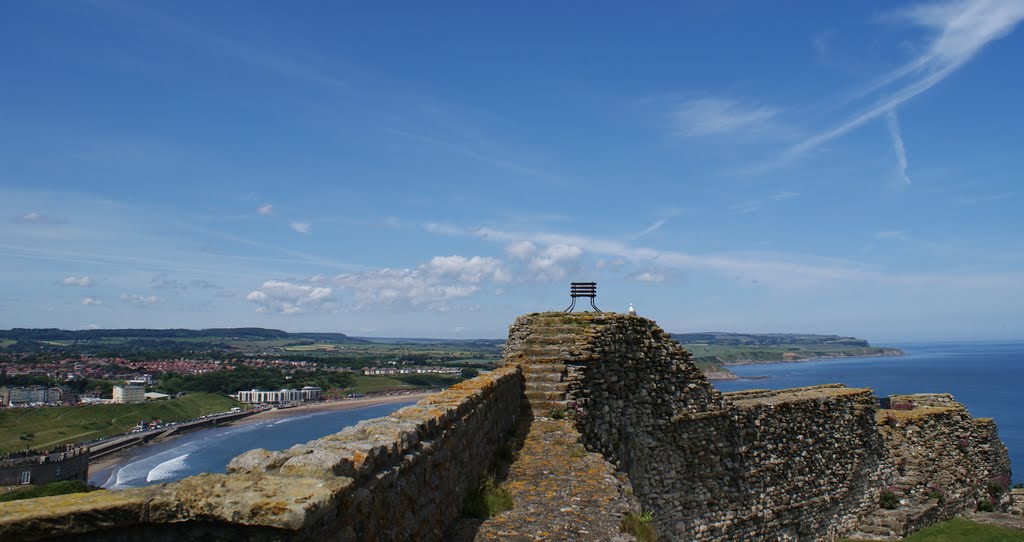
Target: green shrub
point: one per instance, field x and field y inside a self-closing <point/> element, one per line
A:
<point x="48" y="490"/>
<point x="985" y="505"/>
<point x="487" y="500"/>
<point x="639" y="525"/>
<point x="888" y="500"/>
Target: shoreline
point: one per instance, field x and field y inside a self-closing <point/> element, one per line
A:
<point x="815" y="358"/>
<point x="107" y="462"/>
<point x="726" y="374"/>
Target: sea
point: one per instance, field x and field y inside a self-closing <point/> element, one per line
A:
<point x="987" y="377"/>
<point x="210" y="450"/>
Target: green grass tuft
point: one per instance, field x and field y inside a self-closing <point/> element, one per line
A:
<point x="888" y="500"/>
<point x="487" y="500"/>
<point x="640" y="526"/>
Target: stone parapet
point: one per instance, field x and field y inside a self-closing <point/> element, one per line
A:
<point x="399" y="477"/>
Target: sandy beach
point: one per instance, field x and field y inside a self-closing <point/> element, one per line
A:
<point x="113" y="459"/>
<point x="344" y="404"/>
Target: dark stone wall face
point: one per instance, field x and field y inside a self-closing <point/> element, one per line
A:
<point x="801" y="464"/>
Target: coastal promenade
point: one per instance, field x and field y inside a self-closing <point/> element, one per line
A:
<point x="109" y="445"/>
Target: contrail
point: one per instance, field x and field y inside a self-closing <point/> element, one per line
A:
<point x="897" y="143"/>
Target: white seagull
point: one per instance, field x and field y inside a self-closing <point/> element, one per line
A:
<point x="631" y="310"/>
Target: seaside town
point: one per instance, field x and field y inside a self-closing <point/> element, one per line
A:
<point x="73" y="380"/>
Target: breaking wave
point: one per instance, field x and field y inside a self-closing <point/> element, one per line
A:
<point x="168" y="469"/>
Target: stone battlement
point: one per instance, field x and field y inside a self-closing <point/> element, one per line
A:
<point x="612" y="417"/>
<point x="347" y="486"/>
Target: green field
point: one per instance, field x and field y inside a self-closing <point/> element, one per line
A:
<point x="46" y="427"/>
<point x="713" y="353"/>
<point x="372" y="384"/>
<point x="960" y="530"/>
<point x="311" y="347"/>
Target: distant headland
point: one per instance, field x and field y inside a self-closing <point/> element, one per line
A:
<point x="713" y="351"/>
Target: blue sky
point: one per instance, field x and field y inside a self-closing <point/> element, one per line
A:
<point x="428" y="169"/>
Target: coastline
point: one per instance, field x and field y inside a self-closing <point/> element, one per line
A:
<point x="892" y="352"/>
<point x="723" y="372"/>
<point x="112" y="460"/>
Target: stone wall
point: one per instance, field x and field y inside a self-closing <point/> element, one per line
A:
<point x="940" y="461"/>
<point x="71" y="464"/>
<point x="400" y="477"/>
<point x="799" y="464"/>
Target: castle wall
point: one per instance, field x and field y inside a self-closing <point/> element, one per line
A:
<point x="72" y="464"/>
<point x="799" y="464"/>
<point x="941" y="461"/>
<point x="400" y="477"/>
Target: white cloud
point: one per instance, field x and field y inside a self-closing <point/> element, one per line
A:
<point x="91" y="301"/>
<point x="92" y="326"/>
<point x="897" y="143"/>
<point x="289" y="298"/>
<point x="714" y="116"/>
<point x="442" y="229"/>
<point x="788" y="269"/>
<point x="82" y="281"/>
<point x="649" y="276"/>
<point x="35" y="218"/>
<point x="163" y="282"/>
<point x="649" y="229"/>
<point x="142" y="299"/>
<point x="265" y="210"/>
<point x="960" y="31"/>
<point x="301" y="227"/>
<point x="553" y="262"/>
<point x="464" y="269"/>
<point x="520" y="249"/>
<point x="784" y="195"/>
<point x="412" y="286"/>
<point x="744" y="208"/>
<point x="433" y="285"/>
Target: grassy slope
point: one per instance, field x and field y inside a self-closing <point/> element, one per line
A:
<point x="370" y="384"/>
<point x="959" y="530"/>
<point x="58" y="425"/>
<point x="729" y="354"/>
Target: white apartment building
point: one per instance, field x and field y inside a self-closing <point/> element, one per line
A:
<point x="312" y="393"/>
<point x="261" y="396"/>
<point x="131" y="392"/>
